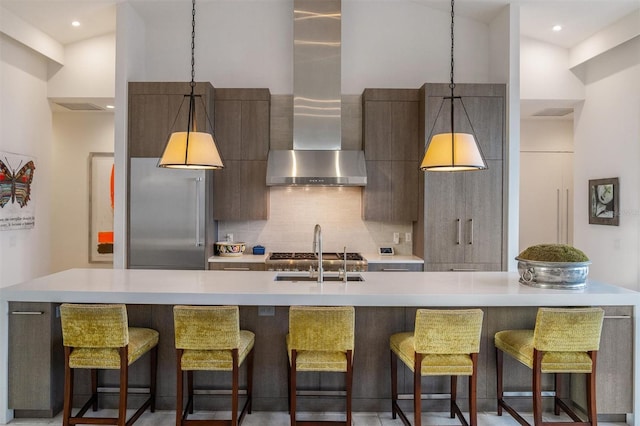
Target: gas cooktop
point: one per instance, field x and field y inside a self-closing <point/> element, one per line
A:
<point x="313" y="256"/>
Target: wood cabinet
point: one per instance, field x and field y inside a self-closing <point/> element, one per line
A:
<point x="391" y="125"/>
<point x="237" y="266"/>
<point x="36" y="360"/>
<point x="462" y="214"/>
<point x="242" y="130"/>
<point x="394" y="267"/>
<point x="546" y="198"/>
<point x="153" y="108"/>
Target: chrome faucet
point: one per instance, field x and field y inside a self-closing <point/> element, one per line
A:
<point x="317" y="249"/>
<point x="344" y="265"/>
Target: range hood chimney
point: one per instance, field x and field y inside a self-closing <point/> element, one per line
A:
<point x="316" y="158"/>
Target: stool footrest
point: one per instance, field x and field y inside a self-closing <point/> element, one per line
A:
<point x="577" y="421"/>
<point x="78" y="419"/>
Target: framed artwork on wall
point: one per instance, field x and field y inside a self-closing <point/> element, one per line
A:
<point x="101" y="207"/>
<point x="604" y="201"/>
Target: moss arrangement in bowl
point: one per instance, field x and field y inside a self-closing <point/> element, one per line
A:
<point x="553" y="266"/>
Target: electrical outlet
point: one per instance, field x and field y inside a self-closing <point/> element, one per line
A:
<point x="266" y="311"/>
<point x="396" y="238"/>
<point x="407" y="237"/>
<point x="230" y="238"/>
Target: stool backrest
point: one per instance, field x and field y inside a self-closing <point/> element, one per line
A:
<point x="439" y="331"/>
<point x="568" y="329"/>
<point x="206" y="327"/>
<point x="322" y="328"/>
<point x="94" y="325"/>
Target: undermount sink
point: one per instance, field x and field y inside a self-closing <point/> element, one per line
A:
<point x="303" y="276"/>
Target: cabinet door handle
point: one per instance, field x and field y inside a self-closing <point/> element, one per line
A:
<point x="236" y="269"/>
<point x="27" y="313"/>
<point x="617" y="317"/>
<point x="394" y="269"/>
<point x="198" y="206"/>
<point x="470" y="231"/>
<point x="566" y="223"/>
<point x="463" y="269"/>
<point x="557" y="215"/>
<point x="459" y="232"/>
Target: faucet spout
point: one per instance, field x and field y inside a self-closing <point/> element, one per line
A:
<point x="317" y="249"/>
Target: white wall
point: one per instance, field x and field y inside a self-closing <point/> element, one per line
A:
<point x="75" y="135"/>
<point x="89" y="70"/>
<point x="546" y="135"/>
<point x="250" y="43"/>
<point x="25" y="128"/>
<point x="607" y="144"/>
<point x="545" y="73"/>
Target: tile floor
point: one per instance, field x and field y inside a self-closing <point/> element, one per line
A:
<point x="264" y="418"/>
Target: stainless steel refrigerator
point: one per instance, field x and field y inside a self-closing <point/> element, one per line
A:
<point x="169" y="211"/>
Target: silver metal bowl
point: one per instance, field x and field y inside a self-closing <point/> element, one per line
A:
<point x="558" y="275"/>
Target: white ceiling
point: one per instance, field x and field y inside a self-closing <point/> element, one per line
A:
<point x="580" y="18"/>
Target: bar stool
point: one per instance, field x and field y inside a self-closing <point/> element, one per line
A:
<point x="444" y="343"/>
<point x="565" y="340"/>
<point x="98" y="337"/>
<point x="320" y="339"/>
<point x="209" y="338"/>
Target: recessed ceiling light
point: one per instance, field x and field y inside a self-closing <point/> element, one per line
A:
<point x="75" y="24"/>
<point x="110" y="107"/>
<point x="557" y="28"/>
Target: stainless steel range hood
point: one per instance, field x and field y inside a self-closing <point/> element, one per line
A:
<point x="316" y="158"/>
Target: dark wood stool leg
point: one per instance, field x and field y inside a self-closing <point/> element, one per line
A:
<point x="537" y="387"/>
<point x="250" y="380"/>
<point x="473" y="392"/>
<point x="153" y="372"/>
<point x="394" y="383"/>
<point x="68" y="387"/>
<point x="417" y="390"/>
<point x="499" y="390"/>
<point x="94" y="389"/>
<point x="452" y="400"/>
<point x="349" y="379"/>
<point x="124" y="380"/>
<point x="292" y="388"/>
<point x="190" y="400"/>
<point x="234" y="388"/>
<point x="591" y="391"/>
<point x="179" y="387"/>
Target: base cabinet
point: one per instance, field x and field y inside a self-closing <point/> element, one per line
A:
<point x="36" y="360"/>
<point x="395" y="267"/>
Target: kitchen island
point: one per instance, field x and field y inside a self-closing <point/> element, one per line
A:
<point x="385" y="303"/>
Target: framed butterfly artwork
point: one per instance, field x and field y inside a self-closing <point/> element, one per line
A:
<point x="101" y="202"/>
<point x="17" y="208"/>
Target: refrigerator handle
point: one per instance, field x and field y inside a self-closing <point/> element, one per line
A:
<point x="198" y="206"/>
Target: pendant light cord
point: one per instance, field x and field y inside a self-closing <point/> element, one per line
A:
<point x="192" y="99"/>
<point x="193" y="44"/>
<point x="452" y="85"/>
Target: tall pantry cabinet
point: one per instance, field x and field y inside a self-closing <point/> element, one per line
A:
<point x="461" y="218"/>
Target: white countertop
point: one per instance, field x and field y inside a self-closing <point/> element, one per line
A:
<point x="245" y="258"/>
<point x="376" y="258"/>
<point x="259" y="288"/>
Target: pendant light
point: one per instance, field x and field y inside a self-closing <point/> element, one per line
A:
<point x="192" y="149"/>
<point x="452" y="151"/>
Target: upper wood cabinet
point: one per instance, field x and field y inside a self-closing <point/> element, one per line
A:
<point x="462" y="214"/>
<point x="391" y="124"/>
<point x="242" y="123"/>
<point x="153" y="108"/>
<point x="391" y="132"/>
<point x="240" y="190"/>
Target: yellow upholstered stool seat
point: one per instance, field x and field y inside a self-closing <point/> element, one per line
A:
<point x="209" y="338"/>
<point x="97" y="336"/>
<point x="564" y="340"/>
<point x="321" y="338"/>
<point x="443" y="343"/>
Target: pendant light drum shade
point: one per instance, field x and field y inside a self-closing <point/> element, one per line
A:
<point x="188" y="150"/>
<point x="449" y="152"/>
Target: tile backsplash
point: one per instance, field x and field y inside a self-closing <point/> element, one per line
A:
<point x="294" y="211"/>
